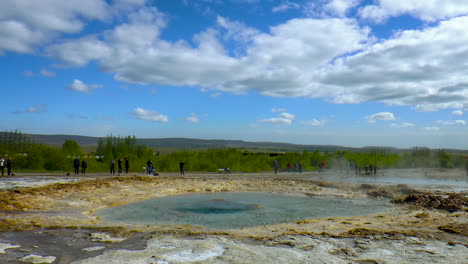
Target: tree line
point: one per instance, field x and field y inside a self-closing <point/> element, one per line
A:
<point x="30" y="156"/>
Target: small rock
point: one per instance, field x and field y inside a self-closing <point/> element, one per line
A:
<point x="36" y="259"/>
<point x="89" y="249"/>
<point x="4" y="246"/>
<point x="103" y="237"/>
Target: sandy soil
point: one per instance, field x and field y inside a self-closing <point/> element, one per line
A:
<point x="59" y="221"/>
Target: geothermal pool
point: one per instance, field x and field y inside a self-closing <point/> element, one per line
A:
<point x="238" y="209"/>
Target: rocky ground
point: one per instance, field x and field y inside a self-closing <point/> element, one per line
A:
<point x="57" y="224"/>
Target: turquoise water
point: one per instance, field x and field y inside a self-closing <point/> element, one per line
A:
<point x="238" y="210"/>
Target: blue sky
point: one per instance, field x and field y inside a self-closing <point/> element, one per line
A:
<point x="342" y="72"/>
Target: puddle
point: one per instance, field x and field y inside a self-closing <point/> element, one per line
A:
<point x="238" y="210"/>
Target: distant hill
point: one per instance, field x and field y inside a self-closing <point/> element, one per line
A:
<point x="60" y="139"/>
<point x="175" y="144"/>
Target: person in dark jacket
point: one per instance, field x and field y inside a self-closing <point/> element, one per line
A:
<point x="149" y="167"/>
<point x="9" y="165"/>
<point x="119" y="164"/>
<point x="76" y="165"/>
<point x="127" y="165"/>
<point x="182" y="168"/>
<point x="84" y="165"/>
<point x="112" y="167"/>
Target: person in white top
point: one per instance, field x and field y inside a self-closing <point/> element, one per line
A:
<point x="2" y="164"/>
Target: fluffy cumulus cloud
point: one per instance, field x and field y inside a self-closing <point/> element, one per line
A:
<point x="282" y="119"/>
<point x="457" y="112"/>
<point x="79" y="86"/>
<point x="25" y="23"/>
<point x="331" y="57"/>
<point x="427" y="10"/>
<point x="149" y="115"/>
<point x="385" y="116"/>
<point x="80" y="51"/>
<point x="281" y="62"/>
<point x="193" y="118"/>
<point x="416" y="67"/>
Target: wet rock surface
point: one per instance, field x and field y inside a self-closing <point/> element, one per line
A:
<point x="451" y="202"/>
<point x="59" y="221"/>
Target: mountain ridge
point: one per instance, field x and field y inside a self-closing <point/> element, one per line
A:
<point x="181" y="143"/>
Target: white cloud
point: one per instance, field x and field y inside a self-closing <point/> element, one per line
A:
<point x="457" y="112"/>
<point x="25" y="23"/>
<point x="451" y="122"/>
<point x="193" y="118"/>
<point x="385" y="116"/>
<point x="17" y="37"/>
<point x="149" y="115"/>
<point x="432" y="128"/>
<point x="315" y="122"/>
<point x="329" y="8"/>
<point x="236" y="30"/>
<point x="47" y="73"/>
<point x="285" y="6"/>
<point x="279" y="63"/>
<point x="79" y="52"/>
<point x="82" y="87"/>
<point x="416" y="67"/>
<point x="282" y="119"/>
<point x="287" y="116"/>
<point x="427" y="10"/>
<point x="332" y="58"/>
<point x="405" y="124"/>
<point x="277" y="120"/>
<point x="340" y="7"/>
<point x="35" y="109"/>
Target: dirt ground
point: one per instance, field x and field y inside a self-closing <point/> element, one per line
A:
<point x="59" y="220"/>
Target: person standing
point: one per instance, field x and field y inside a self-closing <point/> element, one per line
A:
<point x="9" y="165"/>
<point x="112" y="167"/>
<point x="275" y="166"/>
<point x="2" y="164"/>
<point x="182" y="168"/>
<point x="119" y="164"/>
<point x="76" y="165"/>
<point x="149" y="167"/>
<point x="127" y="165"/>
<point x="84" y="165"/>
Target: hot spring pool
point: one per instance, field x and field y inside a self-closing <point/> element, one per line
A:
<point x="238" y="210"/>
